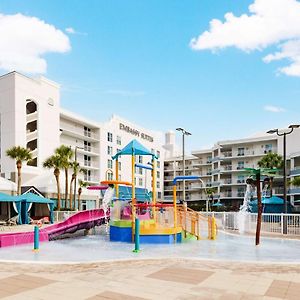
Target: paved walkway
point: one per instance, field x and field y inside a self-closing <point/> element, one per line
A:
<point x="150" y="279"/>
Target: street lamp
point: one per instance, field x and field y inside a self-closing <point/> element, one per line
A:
<point x="284" y="134"/>
<point x="74" y="197"/>
<point x="184" y="133"/>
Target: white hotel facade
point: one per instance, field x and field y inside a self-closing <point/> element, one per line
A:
<point x="221" y="168"/>
<point x="31" y="117"/>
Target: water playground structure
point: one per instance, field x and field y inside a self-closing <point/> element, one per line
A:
<point x="156" y="222"/>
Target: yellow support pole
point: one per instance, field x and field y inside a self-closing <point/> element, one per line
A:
<point x="213" y="228"/>
<point x="117" y="178"/>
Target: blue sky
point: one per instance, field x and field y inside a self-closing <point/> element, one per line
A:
<point x="133" y="58"/>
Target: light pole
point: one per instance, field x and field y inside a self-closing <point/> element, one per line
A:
<point x="74" y="197"/>
<point x="184" y="133"/>
<point x="284" y="134"/>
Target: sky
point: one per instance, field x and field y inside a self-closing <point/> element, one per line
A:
<point x="221" y="69"/>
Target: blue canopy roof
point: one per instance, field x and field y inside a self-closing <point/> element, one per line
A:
<point x="217" y="204"/>
<point x="271" y="200"/>
<point x="134" y="148"/>
<point x="33" y="198"/>
<point x="7" y="198"/>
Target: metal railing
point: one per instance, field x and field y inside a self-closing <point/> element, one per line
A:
<point x="271" y="223"/>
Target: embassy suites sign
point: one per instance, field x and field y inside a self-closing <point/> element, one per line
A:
<point x="135" y="132"/>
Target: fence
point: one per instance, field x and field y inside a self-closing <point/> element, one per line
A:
<point x="246" y="222"/>
<point x="59" y="216"/>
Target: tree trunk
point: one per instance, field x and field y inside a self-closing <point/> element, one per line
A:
<point x="66" y="187"/>
<point x="71" y="192"/>
<point x="56" y="174"/>
<point x="19" y="166"/>
<point x="259" y="209"/>
<point x="271" y="186"/>
<point x="79" y="194"/>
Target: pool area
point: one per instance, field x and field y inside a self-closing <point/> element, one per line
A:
<point x="97" y="248"/>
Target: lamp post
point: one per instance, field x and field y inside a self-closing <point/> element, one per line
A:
<point x="284" y="134"/>
<point x="74" y="197"/>
<point x="184" y="133"/>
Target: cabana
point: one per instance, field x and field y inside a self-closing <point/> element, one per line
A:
<point x="35" y="207"/>
<point x="9" y="209"/>
<point x="272" y="204"/>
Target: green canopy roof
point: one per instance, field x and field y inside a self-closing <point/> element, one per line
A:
<point x="134" y="148"/>
<point x="33" y="198"/>
<point x="8" y="198"/>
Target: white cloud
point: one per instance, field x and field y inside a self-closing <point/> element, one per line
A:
<point x="270" y="22"/>
<point x="274" y="109"/>
<point x="24" y="40"/>
<point x="71" y="30"/>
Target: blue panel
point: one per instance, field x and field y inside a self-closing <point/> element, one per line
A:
<point x="160" y="239"/>
<point x="120" y="234"/>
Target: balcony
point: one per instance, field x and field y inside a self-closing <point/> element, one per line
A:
<point x="215" y="159"/>
<point x="215" y="171"/>
<point x="78" y="132"/>
<point x="215" y="183"/>
<point x="227" y="181"/>
<point x="226" y="168"/>
<point x="226" y="154"/>
<point x="226" y="195"/>
<point x="295" y="171"/>
<point x="241" y="181"/>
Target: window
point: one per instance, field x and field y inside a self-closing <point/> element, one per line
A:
<point x="158" y="184"/>
<point x="159" y="195"/>
<point x="109" y="163"/>
<point x="241" y="151"/>
<point x="158" y="164"/>
<point x="87" y="131"/>
<point x="140" y="159"/>
<point x="241" y="165"/>
<point x="158" y="154"/>
<point x="110" y="176"/>
<point x="268" y="148"/>
<point x="109" y="137"/>
<point x="241" y="179"/>
<point x="140" y="171"/>
<point x="140" y="181"/>
<point x="158" y="174"/>
<point x="119" y="141"/>
<point x="109" y="150"/>
<point x="120" y="166"/>
<point x="87" y="160"/>
<point x="87" y="146"/>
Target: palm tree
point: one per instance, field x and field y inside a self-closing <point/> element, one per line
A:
<point x="66" y="154"/>
<point x="271" y="161"/>
<point x="210" y="192"/>
<point x="55" y="162"/>
<point x="82" y="184"/>
<point x="20" y="154"/>
<point x="76" y="170"/>
<point x="295" y="181"/>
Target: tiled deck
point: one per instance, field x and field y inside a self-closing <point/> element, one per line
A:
<point x="150" y="279"/>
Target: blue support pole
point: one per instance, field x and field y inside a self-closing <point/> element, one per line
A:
<point x="36" y="242"/>
<point x="137" y="236"/>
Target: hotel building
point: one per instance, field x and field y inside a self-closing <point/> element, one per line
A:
<point x="222" y="168"/>
<point x="31" y="117"/>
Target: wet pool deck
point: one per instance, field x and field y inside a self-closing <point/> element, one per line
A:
<point x="150" y="279"/>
